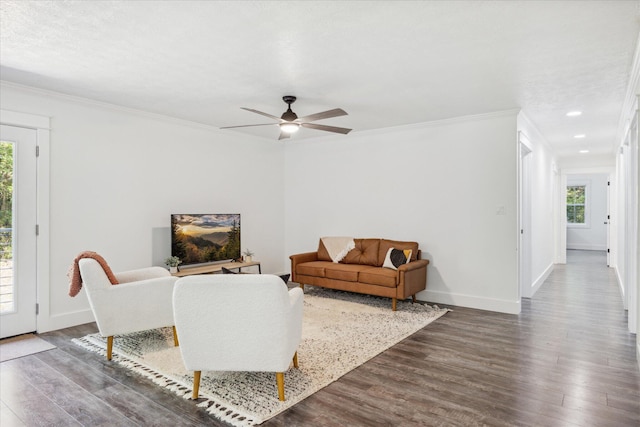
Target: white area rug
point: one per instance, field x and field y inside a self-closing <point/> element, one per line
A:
<point x="340" y="332"/>
<point x="22" y="345"/>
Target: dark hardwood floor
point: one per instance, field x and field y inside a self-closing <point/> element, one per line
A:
<point x="566" y="360"/>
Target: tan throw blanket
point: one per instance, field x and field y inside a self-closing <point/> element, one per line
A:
<point x="338" y="247"/>
<point x="75" y="283"/>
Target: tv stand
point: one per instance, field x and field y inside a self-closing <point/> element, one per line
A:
<point x="216" y="268"/>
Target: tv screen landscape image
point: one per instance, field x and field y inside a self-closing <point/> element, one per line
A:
<point x="205" y="238"/>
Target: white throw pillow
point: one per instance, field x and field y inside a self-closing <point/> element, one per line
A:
<point x="396" y="257"/>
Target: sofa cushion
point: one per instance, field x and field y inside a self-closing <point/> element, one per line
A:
<point x="379" y="276"/>
<point x="385" y="245"/>
<point x="313" y="268"/>
<point x="365" y="252"/>
<point x="345" y="272"/>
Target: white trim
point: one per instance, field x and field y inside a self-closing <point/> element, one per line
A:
<point x="42" y="125"/>
<point x="525" y="228"/>
<point x="589" y="171"/>
<point x="108" y="106"/>
<point x="24" y="120"/>
<point x="535" y="286"/>
<point x="156" y="116"/>
<point x="586" y="183"/>
<point x="586" y="247"/>
<point x="43" y="266"/>
<point x="447" y="121"/>
<point x="539" y="137"/>
<point x="67" y="320"/>
<point x="631" y="101"/>
<point x="470" y="301"/>
<point x="622" y="288"/>
<point x="414" y="126"/>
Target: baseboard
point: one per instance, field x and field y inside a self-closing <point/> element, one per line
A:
<point x="621" y="287"/>
<point x="535" y="286"/>
<point x="587" y="247"/>
<point x="469" y="301"/>
<point x="66" y="320"/>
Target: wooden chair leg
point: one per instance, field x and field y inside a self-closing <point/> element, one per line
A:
<point x="109" y="347"/>
<point x="175" y="337"/>
<point x="295" y="359"/>
<point x="196" y="384"/>
<point x="280" y="381"/>
<point x="413" y="298"/>
<point x="394" y="302"/>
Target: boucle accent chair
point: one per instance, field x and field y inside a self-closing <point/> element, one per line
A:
<point x="141" y="300"/>
<point x="238" y="322"/>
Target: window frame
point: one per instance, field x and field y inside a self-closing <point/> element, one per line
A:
<point x="587" y="202"/>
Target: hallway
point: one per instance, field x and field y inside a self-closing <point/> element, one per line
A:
<point x="578" y="315"/>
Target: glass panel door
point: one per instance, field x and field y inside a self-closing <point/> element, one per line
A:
<point x="7" y="301"/>
<point x="18" y="168"/>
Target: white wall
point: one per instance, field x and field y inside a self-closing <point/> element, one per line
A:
<point x="592" y="236"/>
<point x="116" y="176"/>
<point x="441" y="184"/>
<point x="544" y="187"/>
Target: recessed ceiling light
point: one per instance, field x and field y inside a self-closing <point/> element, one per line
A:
<point x="582" y="135"/>
<point x="583" y="151"/>
<point x="574" y="113"/>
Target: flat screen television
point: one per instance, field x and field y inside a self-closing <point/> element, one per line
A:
<point x="205" y="238"/>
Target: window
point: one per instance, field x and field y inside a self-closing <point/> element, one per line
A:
<point x="577" y="205"/>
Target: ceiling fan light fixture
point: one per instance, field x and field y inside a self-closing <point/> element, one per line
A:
<point x="289" y="127"/>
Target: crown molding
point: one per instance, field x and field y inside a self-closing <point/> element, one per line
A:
<point x="630" y="105"/>
<point x="450" y="120"/>
<point x="169" y="119"/>
<point x="539" y="136"/>
<point x="106" y="105"/>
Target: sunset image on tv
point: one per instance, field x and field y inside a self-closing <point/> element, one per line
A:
<point x="202" y="238"/>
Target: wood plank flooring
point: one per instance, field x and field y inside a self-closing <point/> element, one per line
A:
<point x="566" y="360"/>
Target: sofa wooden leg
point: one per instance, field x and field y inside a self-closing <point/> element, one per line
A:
<point x="109" y="347"/>
<point x="295" y="359"/>
<point x="302" y="286"/>
<point x="175" y="337"/>
<point x="413" y="298"/>
<point x="280" y="381"/>
<point x="394" y="302"/>
<point x="196" y="384"/>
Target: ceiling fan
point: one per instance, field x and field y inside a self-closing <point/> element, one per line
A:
<point x="290" y="123"/>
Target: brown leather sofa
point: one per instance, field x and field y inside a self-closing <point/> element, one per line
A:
<point x="361" y="270"/>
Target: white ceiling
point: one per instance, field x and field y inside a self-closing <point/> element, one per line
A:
<point x="387" y="63"/>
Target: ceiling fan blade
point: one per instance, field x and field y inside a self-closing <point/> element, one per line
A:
<point x="262" y="114"/>
<point x="284" y="135"/>
<point x="246" y="126"/>
<point x="336" y="112"/>
<point x="326" y="128"/>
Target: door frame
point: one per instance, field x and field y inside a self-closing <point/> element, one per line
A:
<point x="562" y="202"/>
<point x="525" y="151"/>
<point x="41" y="124"/>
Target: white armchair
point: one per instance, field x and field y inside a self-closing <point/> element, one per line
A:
<point x="142" y="300"/>
<point x="238" y="322"/>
